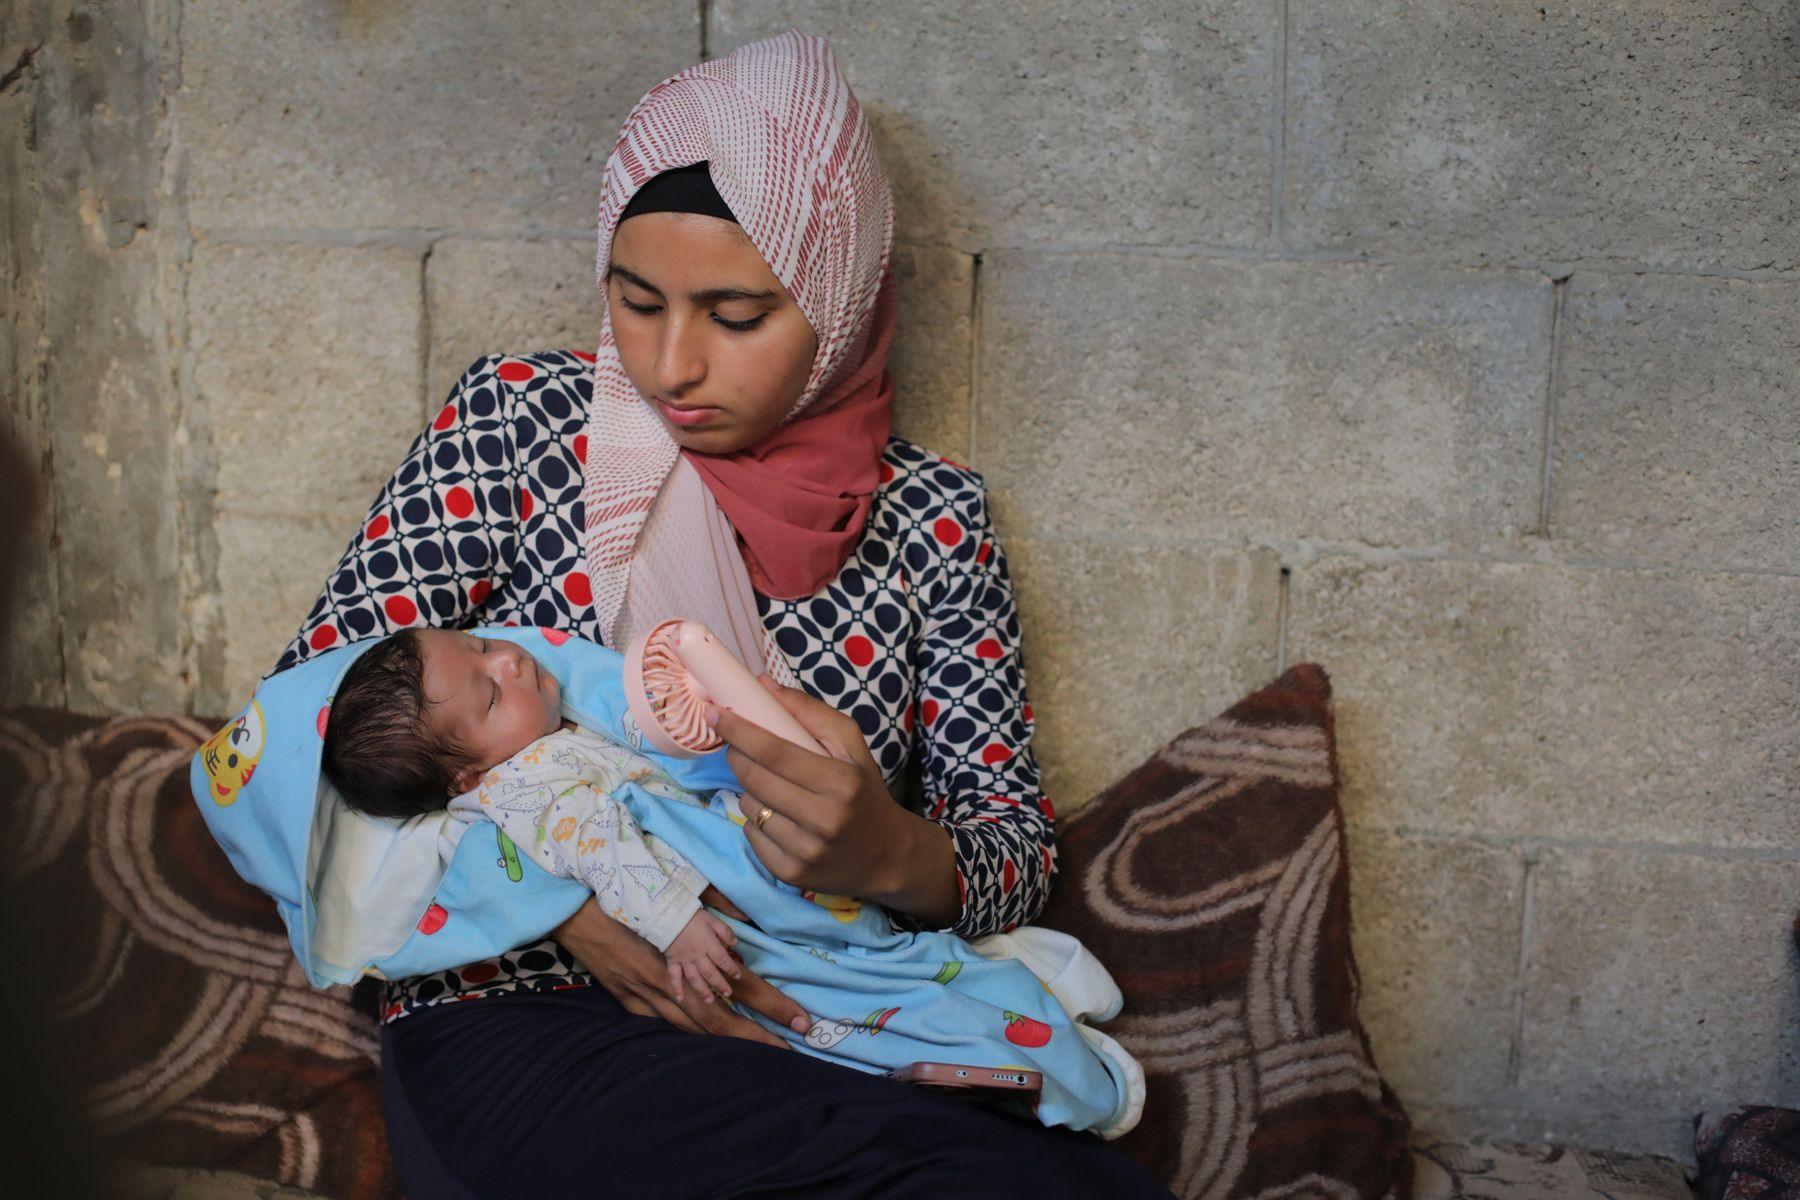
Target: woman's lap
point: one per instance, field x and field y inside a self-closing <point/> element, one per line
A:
<point x="567" y="1090"/>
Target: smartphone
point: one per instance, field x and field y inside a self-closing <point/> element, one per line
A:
<point x="1010" y="1085"/>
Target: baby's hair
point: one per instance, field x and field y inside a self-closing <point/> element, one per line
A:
<point x="380" y="752"/>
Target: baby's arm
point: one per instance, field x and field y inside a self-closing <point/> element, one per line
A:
<point x="573" y="828"/>
<point x="643" y="884"/>
<point x="701" y="955"/>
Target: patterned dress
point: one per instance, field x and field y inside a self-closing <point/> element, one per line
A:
<point x="917" y="637"/>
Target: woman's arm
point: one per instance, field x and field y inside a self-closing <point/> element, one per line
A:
<point x="972" y="730"/>
<point x="440" y="536"/>
<point x="982" y="859"/>
<point x="924" y="882"/>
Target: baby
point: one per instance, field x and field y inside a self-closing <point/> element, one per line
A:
<point x="430" y="714"/>
<point x="432" y="719"/>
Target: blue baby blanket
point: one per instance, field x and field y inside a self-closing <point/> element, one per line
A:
<point x="882" y="997"/>
<point x="397" y="898"/>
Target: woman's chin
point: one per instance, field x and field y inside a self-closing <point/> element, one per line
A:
<point x="713" y="439"/>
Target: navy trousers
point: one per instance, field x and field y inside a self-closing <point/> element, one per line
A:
<point x="566" y="1093"/>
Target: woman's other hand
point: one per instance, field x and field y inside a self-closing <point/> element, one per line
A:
<point x="638" y="978"/>
<point x="834" y="827"/>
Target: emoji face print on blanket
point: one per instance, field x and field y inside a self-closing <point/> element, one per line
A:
<point x="230" y="755"/>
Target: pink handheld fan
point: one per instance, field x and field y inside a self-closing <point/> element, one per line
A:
<point x="674" y="669"/>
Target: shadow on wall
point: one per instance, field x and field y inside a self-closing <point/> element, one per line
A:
<point x="1791" y="1026"/>
<point x="945" y="205"/>
<point x="38" y="1112"/>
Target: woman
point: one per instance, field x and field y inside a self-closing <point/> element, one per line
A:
<point x="726" y="456"/>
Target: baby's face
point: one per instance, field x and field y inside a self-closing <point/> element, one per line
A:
<point x="489" y="695"/>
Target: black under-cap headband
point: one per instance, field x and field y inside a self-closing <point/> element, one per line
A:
<point x="683" y="189"/>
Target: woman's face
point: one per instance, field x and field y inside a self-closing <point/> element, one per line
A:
<point x="706" y="332"/>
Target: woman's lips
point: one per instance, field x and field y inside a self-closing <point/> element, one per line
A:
<point x="687" y="417"/>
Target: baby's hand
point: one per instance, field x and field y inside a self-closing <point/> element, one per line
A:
<point x="699" y="955"/>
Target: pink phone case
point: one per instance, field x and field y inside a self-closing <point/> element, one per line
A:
<point x="974" y="1083"/>
<point x="674" y="669"/>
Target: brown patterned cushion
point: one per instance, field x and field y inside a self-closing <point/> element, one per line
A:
<point x="1211" y="881"/>
<point x="1748" y="1152"/>
<point x="181" y="1016"/>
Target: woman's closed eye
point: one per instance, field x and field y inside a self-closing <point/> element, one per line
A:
<point x="737" y="326"/>
<point x="740" y="326"/>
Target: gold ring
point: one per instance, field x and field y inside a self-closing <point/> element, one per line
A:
<point x="762" y="818"/>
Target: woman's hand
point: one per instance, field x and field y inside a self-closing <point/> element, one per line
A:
<point x="638" y="978"/>
<point x="833" y="826"/>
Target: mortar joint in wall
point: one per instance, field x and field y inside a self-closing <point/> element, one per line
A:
<point x="1262" y="252"/>
<point x="1552" y="385"/>
<point x="1533" y="847"/>
<point x="425" y="354"/>
<point x="1283" y="605"/>
<point x="975" y="335"/>
<point x="1527" y="897"/>
<point x="1278" y="130"/>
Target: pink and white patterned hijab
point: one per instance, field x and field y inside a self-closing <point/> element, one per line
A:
<point x="674" y="533"/>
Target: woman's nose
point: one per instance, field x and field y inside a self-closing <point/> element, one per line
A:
<point x="679" y="365"/>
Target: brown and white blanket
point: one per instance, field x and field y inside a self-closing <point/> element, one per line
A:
<point x="179" y="1016"/>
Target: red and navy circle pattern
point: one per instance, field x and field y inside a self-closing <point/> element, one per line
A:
<point x="917" y="638"/>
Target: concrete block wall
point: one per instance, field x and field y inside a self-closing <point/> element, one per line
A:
<point x="1455" y="347"/>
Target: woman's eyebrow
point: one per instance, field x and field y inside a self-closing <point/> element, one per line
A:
<point x="632" y="277"/>
<point x="706" y="296"/>
<point x="718" y="295"/>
